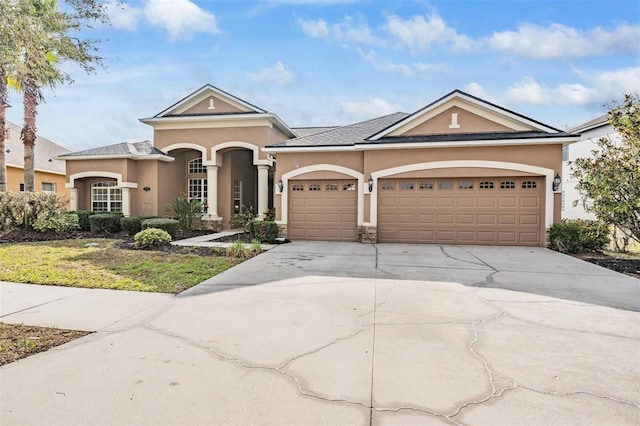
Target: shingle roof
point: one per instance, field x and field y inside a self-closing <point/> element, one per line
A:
<point x="345" y="135"/>
<point x="125" y="149"/>
<point x="45" y="151"/>
<point x="308" y="131"/>
<point x="596" y="122"/>
<point x="465" y="137"/>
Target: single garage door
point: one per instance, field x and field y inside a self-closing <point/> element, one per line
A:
<point x="323" y="210"/>
<point x="489" y="211"/>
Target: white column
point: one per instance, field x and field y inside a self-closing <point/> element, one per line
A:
<point x="73" y="199"/>
<point x="263" y="190"/>
<point x="212" y="192"/>
<point x="126" y="202"/>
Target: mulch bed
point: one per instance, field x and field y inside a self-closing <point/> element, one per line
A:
<point x="21" y="341"/>
<point x="626" y="266"/>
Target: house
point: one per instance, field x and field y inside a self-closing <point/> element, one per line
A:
<point x="49" y="171"/>
<point x="590" y="132"/>
<point x="459" y="171"/>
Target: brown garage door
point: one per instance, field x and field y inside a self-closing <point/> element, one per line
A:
<point x="323" y="210"/>
<point x="490" y="211"/>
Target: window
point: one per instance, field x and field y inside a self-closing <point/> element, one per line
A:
<point x="562" y="201"/>
<point x="486" y="185"/>
<point x="297" y="187"/>
<point x="507" y="184"/>
<point x="22" y="187"/>
<point x="426" y="185"/>
<point x="237" y="196"/>
<point x="197" y="189"/>
<point x="386" y="186"/>
<point x="445" y="185"/>
<point x="331" y="187"/>
<point x="196" y="167"/>
<point x="348" y="186"/>
<point x="406" y="185"/>
<point x="315" y="187"/>
<point x="529" y="184"/>
<point x="465" y="184"/>
<point x="48" y="187"/>
<point x="106" y="197"/>
<point x="565" y="153"/>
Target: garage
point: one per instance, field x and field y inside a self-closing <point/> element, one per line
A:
<point x="485" y="211"/>
<point x="323" y="210"/>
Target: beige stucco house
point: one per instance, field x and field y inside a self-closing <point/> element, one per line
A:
<point x="458" y="171"/>
<point x="49" y="171"/>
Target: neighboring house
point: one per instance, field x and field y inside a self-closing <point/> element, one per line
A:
<point x="459" y="171"/>
<point x="590" y="132"/>
<point x="49" y="171"/>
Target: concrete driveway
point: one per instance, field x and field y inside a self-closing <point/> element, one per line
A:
<point x="353" y="334"/>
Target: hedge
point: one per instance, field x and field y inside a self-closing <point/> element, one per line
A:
<point x="172" y="226"/>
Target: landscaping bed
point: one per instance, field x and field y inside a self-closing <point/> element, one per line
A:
<point x="21" y="341"/>
<point x="625" y="263"/>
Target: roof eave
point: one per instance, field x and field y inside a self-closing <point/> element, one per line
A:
<point x="164" y="158"/>
<point x="362" y="146"/>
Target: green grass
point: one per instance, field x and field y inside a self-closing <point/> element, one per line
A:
<point x="71" y="263"/>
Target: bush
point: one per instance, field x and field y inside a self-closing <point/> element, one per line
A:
<point x="23" y="209"/>
<point x="131" y="225"/>
<point x="151" y="237"/>
<point x="104" y="222"/>
<point x="574" y="236"/>
<point x="255" y="248"/>
<point x="187" y="212"/>
<point x="242" y="220"/>
<point x="83" y="219"/>
<point x="264" y="231"/>
<point x="60" y="223"/>
<point x="171" y="226"/>
<point x="239" y="250"/>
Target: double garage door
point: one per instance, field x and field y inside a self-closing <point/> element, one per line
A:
<point x="489" y="211"/>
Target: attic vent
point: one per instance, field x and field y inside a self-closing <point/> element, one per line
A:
<point x="211" y="105"/>
<point x="454" y="121"/>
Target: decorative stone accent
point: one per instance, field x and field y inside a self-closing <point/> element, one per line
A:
<point x="211" y="224"/>
<point x="368" y="234"/>
<point x="282" y="231"/>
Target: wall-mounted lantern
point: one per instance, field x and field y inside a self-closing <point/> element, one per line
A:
<point x="556" y="182"/>
<point x="370" y="183"/>
<point x="280" y="185"/>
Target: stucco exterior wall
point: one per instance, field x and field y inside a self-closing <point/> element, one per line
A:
<point x="467" y="123"/>
<point x="15" y="176"/>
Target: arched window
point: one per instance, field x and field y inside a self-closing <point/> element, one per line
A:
<point x="196" y="167"/>
<point x="106" y="197"/>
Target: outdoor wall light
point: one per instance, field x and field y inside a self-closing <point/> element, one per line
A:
<point x="556" y="182"/>
<point x="280" y="185"/>
<point x="8" y="151"/>
<point x="370" y="183"/>
<point x="146" y="189"/>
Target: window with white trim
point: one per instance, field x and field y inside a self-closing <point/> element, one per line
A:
<point x="196" y="167"/>
<point x="48" y="187"/>
<point x="197" y="189"/>
<point x="106" y="197"/>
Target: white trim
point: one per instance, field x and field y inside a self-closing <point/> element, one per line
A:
<point x="310" y="148"/>
<point x="238" y="144"/>
<point x="15" y="166"/>
<point x="186" y="145"/>
<point x="97" y="174"/>
<point x="219" y="121"/>
<point x="465" y="143"/>
<point x="547" y="173"/>
<point x="164" y="158"/>
<point x="197" y="96"/>
<point x="284" y="197"/>
<point x="473" y="105"/>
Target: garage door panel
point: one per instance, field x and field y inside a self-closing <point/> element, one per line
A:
<point x="463" y="211"/>
<point x="328" y="212"/>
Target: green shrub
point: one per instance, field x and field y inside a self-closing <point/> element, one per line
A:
<point x="242" y="220"/>
<point x="60" y="223"/>
<point x="23" y="209"/>
<point x="264" y="231"/>
<point x="83" y="219"/>
<point x="104" y="222"/>
<point x="255" y="248"/>
<point x="595" y="235"/>
<point x="171" y="226"/>
<point x="239" y="250"/>
<point x="131" y="224"/>
<point x="151" y="237"/>
<point x="187" y="212"/>
<point x="574" y="236"/>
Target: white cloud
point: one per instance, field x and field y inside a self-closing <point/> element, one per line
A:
<point x="352" y="29"/>
<point x="558" y="41"/>
<point x="314" y="29"/>
<point x="371" y="107"/>
<point x="600" y="88"/>
<point x="420" y="35"/>
<point x="277" y="74"/>
<point x="180" y="17"/>
<point x="476" y="89"/>
<point x="382" y="64"/>
<point x="122" y="16"/>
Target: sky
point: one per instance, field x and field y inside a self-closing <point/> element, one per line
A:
<point x="336" y="62"/>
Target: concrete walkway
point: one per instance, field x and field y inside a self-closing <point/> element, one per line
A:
<point x="311" y="349"/>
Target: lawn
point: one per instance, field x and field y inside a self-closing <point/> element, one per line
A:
<point x="73" y="263"/>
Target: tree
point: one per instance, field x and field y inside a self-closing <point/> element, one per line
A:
<point x="611" y="178"/>
<point x="43" y="36"/>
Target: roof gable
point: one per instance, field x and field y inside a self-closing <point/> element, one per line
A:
<point x="209" y="100"/>
<point x="460" y="113"/>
